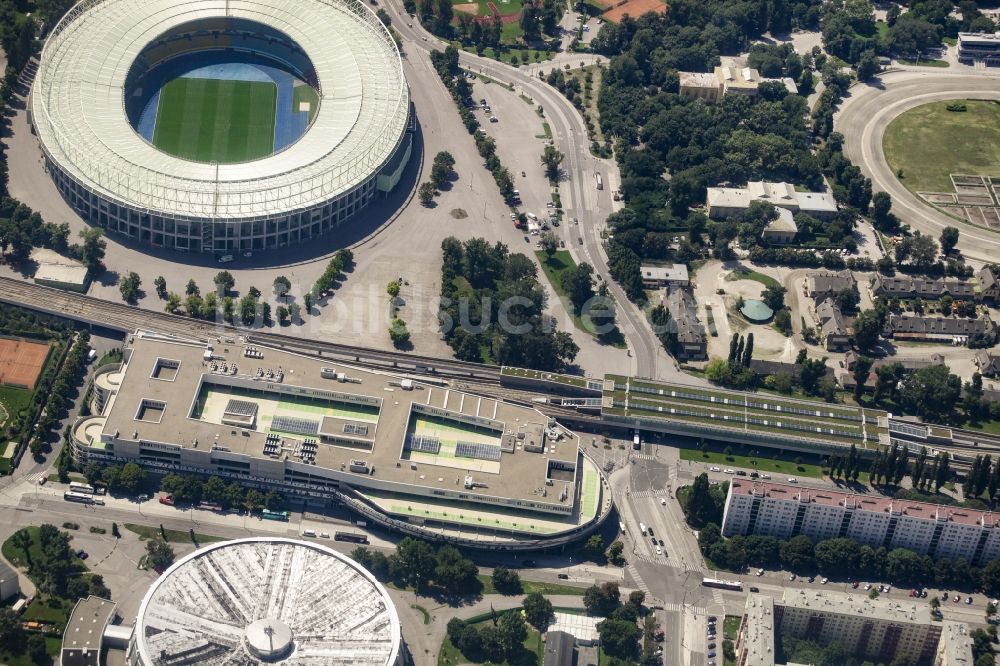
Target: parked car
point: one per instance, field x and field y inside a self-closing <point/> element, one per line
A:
<point x="825" y="581"/>
<point x="563" y="576"/>
<point x="714" y="469"/>
<point x="729" y="471"/>
<point x="792" y="479"/>
<point x="765" y="476"/>
<point x="855" y="584"/>
<point x="968" y="600"/>
<point x="791" y="576"/>
<point x="82" y="554"/>
<point x="754" y="589"/>
<point x="760" y="572"/>
<point x="740" y="472"/>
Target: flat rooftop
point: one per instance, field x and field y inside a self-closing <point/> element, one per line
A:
<point x="740" y="411"/>
<point x="84" y="631"/>
<point x="876" y="504"/>
<point x="270" y="404"/>
<point x="839" y="603"/>
<point x="757" y="640"/>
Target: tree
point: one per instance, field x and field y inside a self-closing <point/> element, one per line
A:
<point x="619" y="638"/>
<point x="551" y="159"/>
<point x="159" y="553"/>
<point x="774" y="297"/>
<point x="398" y="333"/>
<point x="601" y="600"/>
<point x="700" y="503"/>
<point x="426" y="193"/>
<point x="594" y="548"/>
<point x="578" y="284"/>
<point x="932" y="393"/>
<point x="131" y="478"/>
<point x="224" y="282"/>
<point x="949" y="239"/>
<point x="191" y="289"/>
<point x="506" y="581"/>
<point x="11" y="631"/>
<point x="93" y="247"/>
<point x="454" y="573"/>
<point x="36" y="649"/>
<point x="797" y="554"/>
<point x="549" y="243"/>
<point x="862" y="366"/>
<point x="129" y="285"/>
<point x="161" y="286"/>
<point x="748" y="350"/>
<point x="282" y="285"/>
<point x="282" y="314"/>
<point x="538" y="611"/>
<point x="867" y="66"/>
<point x="512" y="630"/>
<point x="867" y="329"/>
<point x="812" y="370"/>
<point x="173" y="303"/>
<point x="21" y="540"/>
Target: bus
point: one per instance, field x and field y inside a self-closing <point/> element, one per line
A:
<point x="83" y="488"/>
<point x="274" y="515"/>
<point x="350" y="536"/>
<point x="210" y="506"/>
<point x="82" y="498"/>
<point x="723" y="584"/>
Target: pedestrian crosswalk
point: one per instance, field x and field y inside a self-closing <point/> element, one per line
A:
<point x="33" y="478"/>
<point x="642" y="456"/>
<point x="652" y="492"/>
<point x="637" y="579"/>
<point x="717" y="597"/>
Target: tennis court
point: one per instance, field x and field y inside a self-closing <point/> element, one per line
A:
<point x="21" y="362"/>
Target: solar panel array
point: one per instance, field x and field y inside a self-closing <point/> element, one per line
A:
<point x="308" y="450"/>
<point x="272" y="444"/>
<point x="295" y="424"/>
<point x="423" y="443"/>
<point x="480" y="451"/>
<point x="241" y="407"/>
<point x="355" y="429"/>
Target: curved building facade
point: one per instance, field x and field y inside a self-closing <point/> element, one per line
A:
<point x="266" y="600"/>
<point x="100" y="66"/>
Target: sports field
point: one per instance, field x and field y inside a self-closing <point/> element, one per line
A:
<point x="216" y="120"/>
<point x="929" y="142"/>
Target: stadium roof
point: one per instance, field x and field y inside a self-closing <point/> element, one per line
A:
<point x="276" y="598"/>
<point x="79" y="113"/>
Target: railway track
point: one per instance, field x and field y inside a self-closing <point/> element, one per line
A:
<point x="125" y="318"/>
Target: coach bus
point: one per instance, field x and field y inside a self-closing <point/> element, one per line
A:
<point x="724" y="584"/>
<point x="350" y="536"/>
<point x="82" y="498"/>
<point x="274" y="515"/>
<point x="83" y="488"/>
<point x="210" y="506"/>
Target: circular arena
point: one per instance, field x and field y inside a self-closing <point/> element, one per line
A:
<point x="221" y="126"/>
<point x="266" y="600"/>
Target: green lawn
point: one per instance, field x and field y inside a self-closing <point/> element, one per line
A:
<point x="925" y="63"/>
<point x="213" y="120"/>
<point x="13" y="401"/>
<point x="529" y="586"/>
<point x="730" y="626"/>
<point x="929" y="142"/>
<point x="763" y="464"/>
<point x="173" y="536"/>
<point x="992" y="427"/>
<point x="744" y="274"/>
<point x="449" y="654"/>
<point x="554" y="268"/>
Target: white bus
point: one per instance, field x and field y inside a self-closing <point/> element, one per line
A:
<point x="599" y="180"/>
<point x="724" y="584"/>
<point x="84" y="488"/>
<point x="82" y="498"/>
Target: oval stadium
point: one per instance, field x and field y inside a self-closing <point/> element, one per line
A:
<point x="221" y="126"/>
<point x="266" y="600"/>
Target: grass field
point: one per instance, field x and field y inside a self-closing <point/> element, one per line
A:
<point x="212" y="120"/>
<point x="529" y="586"/>
<point x="173" y="536"/>
<point x="744" y="274"/>
<point x="929" y="142"/>
<point x="12" y="401"/>
<point x="925" y="63"/>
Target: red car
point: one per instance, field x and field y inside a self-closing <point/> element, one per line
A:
<point x="855" y="584"/>
<point x="168" y="500"/>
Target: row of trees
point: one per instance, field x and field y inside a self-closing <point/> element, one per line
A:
<point x="497" y="641"/>
<point x="191" y="489"/>
<point x="57" y="394"/>
<point x="128" y="478"/>
<point x="442" y="173"/>
<point x="422" y="566"/>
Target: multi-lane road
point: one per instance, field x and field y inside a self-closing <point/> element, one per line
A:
<point x="578" y="191"/>
<point x="867" y="112"/>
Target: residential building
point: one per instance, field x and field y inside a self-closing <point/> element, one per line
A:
<point x="729" y="78"/>
<point x="782" y="229"/>
<point x="737" y="80"/>
<point x="988" y="364"/>
<point x="785" y="511"/>
<point x="953" y="330"/>
<point x="655" y="277"/>
<point x="875" y="629"/>
<point x="691" y="340"/>
<point x="700" y="85"/>
<point x="989" y="287"/>
<point x="834" y="332"/>
<point x="984" y="46"/>
<point x="906" y="287"/>
<point x="829" y="283"/>
<point x="725" y="202"/>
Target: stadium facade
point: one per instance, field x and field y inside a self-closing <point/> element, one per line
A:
<point x="266" y="600"/>
<point x="357" y="144"/>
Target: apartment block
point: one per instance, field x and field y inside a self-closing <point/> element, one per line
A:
<point x="785" y="511"/>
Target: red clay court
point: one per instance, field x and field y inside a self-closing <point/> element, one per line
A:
<point x="634" y="8"/>
<point x="21" y="362"/>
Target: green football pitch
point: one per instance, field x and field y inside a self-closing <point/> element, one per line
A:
<point x="212" y="120"/>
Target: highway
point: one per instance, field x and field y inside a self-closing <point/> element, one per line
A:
<point x="864" y="116"/>
<point x="578" y="192"/>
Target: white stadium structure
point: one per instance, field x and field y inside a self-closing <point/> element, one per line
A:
<point x="266" y="600"/>
<point x="357" y="143"/>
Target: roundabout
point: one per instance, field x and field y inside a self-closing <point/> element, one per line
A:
<point x="863" y="119"/>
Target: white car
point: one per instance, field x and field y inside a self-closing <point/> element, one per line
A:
<point x="825" y="581"/>
<point x="659" y="551"/>
<point x="868" y="586"/>
<point x="765" y="476"/>
<point x="733" y="471"/>
<point x="714" y="469"/>
<point x="792" y="479"/>
<point x="663" y="501"/>
<point x="760" y="572"/>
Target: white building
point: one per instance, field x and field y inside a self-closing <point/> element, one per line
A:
<point x="654" y="277"/>
<point x="785" y="511"/>
<point x="983" y="46"/>
<point x="725" y="202"/>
